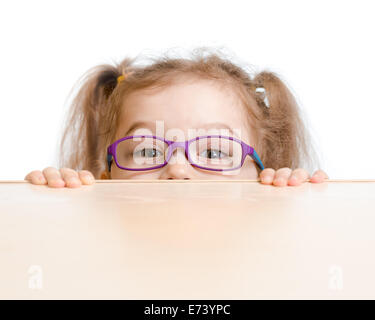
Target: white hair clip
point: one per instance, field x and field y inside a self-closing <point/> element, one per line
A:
<point x="264" y="95"/>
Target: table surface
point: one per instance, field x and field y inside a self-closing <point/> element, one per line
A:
<point x="129" y="239"/>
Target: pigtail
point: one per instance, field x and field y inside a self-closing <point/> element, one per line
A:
<point x="80" y="146"/>
<point x="284" y="139"/>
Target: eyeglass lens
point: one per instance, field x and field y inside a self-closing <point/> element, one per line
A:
<point x="210" y="153"/>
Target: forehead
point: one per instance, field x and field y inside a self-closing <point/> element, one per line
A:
<point x="186" y="104"/>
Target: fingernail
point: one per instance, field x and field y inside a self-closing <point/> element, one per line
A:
<point x="56" y="182"/>
<point x="42" y="180"/>
<point x="88" y="179"/>
<point x="293" y="179"/>
<point x="267" y="179"/>
<point x="279" y="181"/>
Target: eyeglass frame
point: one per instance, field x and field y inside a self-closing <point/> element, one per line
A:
<point x="172" y="145"/>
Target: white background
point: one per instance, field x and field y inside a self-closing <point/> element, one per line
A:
<point x="324" y="50"/>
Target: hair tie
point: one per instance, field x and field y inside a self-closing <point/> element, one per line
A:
<point x="123" y="76"/>
<point x="120" y="78"/>
<point x="264" y="95"/>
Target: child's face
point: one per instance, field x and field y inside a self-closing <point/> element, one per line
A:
<point x="185" y="106"/>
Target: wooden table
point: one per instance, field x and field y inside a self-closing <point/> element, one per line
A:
<point x="129" y="239"/>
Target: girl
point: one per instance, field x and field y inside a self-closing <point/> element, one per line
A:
<point x="198" y="118"/>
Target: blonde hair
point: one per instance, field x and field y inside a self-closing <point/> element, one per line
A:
<point x="92" y="120"/>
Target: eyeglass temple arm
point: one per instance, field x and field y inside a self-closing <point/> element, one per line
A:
<point x="255" y="156"/>
<point x="109" y="158"/>
<point x="109" y="161"/>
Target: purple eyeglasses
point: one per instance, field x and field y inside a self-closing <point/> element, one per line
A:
<point x="132" y="152"/>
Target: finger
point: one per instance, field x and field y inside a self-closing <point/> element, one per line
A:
<point x="70" y="177"/>
<point x="36" y="177"/>
<point x="281" y="177"/>
<point x="86" y="177"/>
<point x="318" y="177"/>
<point x="53" y="177"/>
<point x="298" y="176"/>
<point x="266" y="176"/>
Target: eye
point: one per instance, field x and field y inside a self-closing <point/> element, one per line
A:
<point x="213" y="153"/>
<point x="148" y="152"/>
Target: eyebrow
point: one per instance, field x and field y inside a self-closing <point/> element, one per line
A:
<point x="138" y="124"/>
<point x="220" y="126"/>
<point x="147" y="124"/>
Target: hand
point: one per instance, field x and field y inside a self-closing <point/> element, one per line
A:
<point x="64" y="177"/>
<point x="286" y="176"/>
